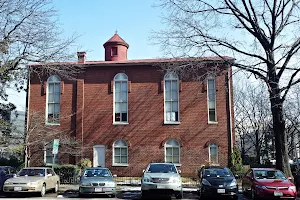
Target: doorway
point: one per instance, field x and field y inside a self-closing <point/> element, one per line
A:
<point x="99" y="156"/>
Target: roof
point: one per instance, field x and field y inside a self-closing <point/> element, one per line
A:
<point x="141" y="61"/>
<point x="116" y="39"/>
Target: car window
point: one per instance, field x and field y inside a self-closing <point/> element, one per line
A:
<point x="161" y="168"/>
<point x="97" y="173"/>
<point x="269" y="174"/>
<point x="32" y="172"/>
<point x="217" y="172"/>
<point x="52" y="172"/>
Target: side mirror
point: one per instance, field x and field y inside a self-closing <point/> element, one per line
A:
<point x="236" y="176"/>
<point x="115" y="175"/>
<point x="179" y="171"/>
<point x="143" y="171"/>
<point x="14" y="175"/>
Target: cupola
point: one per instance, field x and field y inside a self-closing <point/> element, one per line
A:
<point x="115" y="49"/>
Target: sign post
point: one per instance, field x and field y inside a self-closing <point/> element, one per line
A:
<point x="55" y="150"/>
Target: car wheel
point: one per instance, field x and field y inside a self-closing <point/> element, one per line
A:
<point x="43" y="190"/>
<point x="144" y="196"/>
<point x="112" y="195"/>
<point x="56" y="188"/>
<point x="179" y="195"/>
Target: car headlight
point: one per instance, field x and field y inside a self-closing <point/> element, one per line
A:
<point x="205" y="182"/>
<point x="174" y="180"/>
<point x="32" y="183"/>
<point x="7" y="183"/>
<point x="261" y="187"/>
<point x="147" y="179"/>
<point x="292" y="188"/>
<point x="86" y="184"/>
<point x="233" y="183"/>
<point x="110" y="184"/>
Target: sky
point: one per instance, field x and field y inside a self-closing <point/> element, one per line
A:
<point x="95" y="21"/>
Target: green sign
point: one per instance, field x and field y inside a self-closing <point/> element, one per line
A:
<point x="55" y="146"/>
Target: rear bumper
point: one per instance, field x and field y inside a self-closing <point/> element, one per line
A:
<point x="97" y="190"/>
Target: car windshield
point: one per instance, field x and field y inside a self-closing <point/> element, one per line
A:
<point x="161" y="168"/>
<point x="32" y="172"/>
<point x="269" y="174"/>
<point x="97" y="173"/>
<point x="217" y="172"/>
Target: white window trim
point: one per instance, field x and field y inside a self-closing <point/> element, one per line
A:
<point x="114" y="95"/>
<point x="217" y="152"/>
<point x="165" y="147"/>
<point x="113" y="158"/>
<point x="165" y="117"/>
<point x="46" y="113"/>
<point x="207" y="89"/>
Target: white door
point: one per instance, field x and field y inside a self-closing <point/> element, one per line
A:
<point x="99" y="156"/>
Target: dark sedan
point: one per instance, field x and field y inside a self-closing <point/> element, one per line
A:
<point x="216" y="182"/>
<point x="6" y="172"/>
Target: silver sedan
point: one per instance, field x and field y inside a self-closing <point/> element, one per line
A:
<point x="97" y="181"/>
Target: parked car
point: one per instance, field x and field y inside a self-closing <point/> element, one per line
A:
<point x="33" y="180"/>
<point x="6" y="172"/>
<point x="216" y="182"/>
<point x="161" y="178"/>
<point x="97" y="180"/>
<point x="268" y="183"/>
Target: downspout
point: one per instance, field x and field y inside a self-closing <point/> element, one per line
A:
<point x="229" y="115"/>
<point x="26" y="121"/>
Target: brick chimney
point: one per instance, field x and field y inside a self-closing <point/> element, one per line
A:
<point x="81" y="57"/>
<point x="115" y="49"/>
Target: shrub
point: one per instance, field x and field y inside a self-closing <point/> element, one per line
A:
<point x="85" y="163"/>
<point x="236" y="164"/>
<point x="67" y="173"/>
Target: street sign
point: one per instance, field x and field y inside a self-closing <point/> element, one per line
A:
<point x="55" y="146"/>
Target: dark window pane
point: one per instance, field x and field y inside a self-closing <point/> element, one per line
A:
<point x="117" y="117"/>
<point x="212" y="115"/>
<point x="114" y="51"/>
<point x="124" y="117"/>
<point x="176" y="116"/>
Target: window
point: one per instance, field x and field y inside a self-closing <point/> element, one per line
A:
<point x="120" y="153"/>
<point x="53" y="100"/>
<point x="120" y="98"/>
<point x="48" y="156"/>
<point x="213" y="153"/>
<point x="171" y="96"/>
<point x="114" y="51"/>
<point x="172" y="151"/>
<point x="211" y="99"/>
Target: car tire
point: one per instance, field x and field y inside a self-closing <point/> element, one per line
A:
<point x="143" y="195"/>
<point x="179" y="195"/>
<point x="253" y="194"/>
<point x="55" y="190"/>
<point x="112" y="195"/>
<point x="43" y="190"/>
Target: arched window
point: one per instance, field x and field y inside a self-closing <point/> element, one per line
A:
<point x="120" y="98"/>
<point x="53" y="100"/>
<point x="213" y="153"/>
<point x="172" y="151"/>
<point x="211" y="99"/>
<point x="120" y="153"/>
<point x="171" y="96"/>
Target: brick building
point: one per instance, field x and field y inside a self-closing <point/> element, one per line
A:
<point x="130" y="113"/>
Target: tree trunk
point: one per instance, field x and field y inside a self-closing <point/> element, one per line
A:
<point x="282" y="158"/>
<point x="257" y="147"/>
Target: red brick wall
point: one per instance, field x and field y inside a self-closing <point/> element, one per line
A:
<point x="146" y="132"/>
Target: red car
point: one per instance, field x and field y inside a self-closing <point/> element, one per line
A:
<point x="268" y="183"/>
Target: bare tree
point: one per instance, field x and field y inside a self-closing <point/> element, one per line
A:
<point x="262" y="35"/>
<point x="253" y="120"/>
<point x="40" y="135"/>
<point x="29" y="33"/>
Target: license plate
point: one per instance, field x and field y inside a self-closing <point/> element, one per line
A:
<point x="160" y="186"/>
<point x="17" y="188"/>
<point x="222" y="191"/>
<point x="278" y="194"/>
<point x="98" y="190"/>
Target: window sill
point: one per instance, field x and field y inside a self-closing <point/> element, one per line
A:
<point x="50" y="124"/>
<point x="171" y="123"/>
<point x="120" y="165"/>
<point x="212" y="122"/>
<point x="120" y="123"/>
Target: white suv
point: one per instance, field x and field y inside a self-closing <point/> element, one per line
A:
<point x="163" y="179"/>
